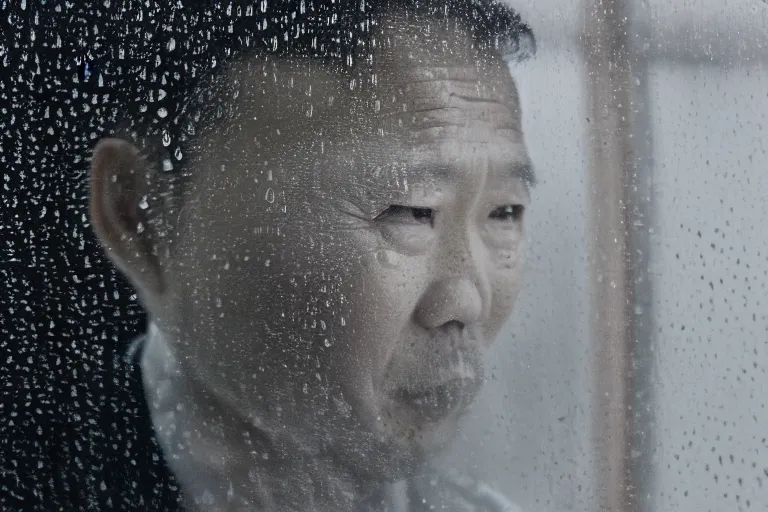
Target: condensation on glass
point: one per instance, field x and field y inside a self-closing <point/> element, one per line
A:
<point x="438" y="255"/>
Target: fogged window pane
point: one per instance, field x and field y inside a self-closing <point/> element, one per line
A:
<point x="442" y="255"/>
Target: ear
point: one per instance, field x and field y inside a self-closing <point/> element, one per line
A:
<point x="119" y="185"/>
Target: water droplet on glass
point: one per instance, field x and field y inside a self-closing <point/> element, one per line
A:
<point x="388" y="258"/>
<point x="517" y="48"/>
<point x="207" y="498"/>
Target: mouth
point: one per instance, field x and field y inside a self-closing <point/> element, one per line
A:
<point x="434" y="387"/>
<point x="435" y="402"/>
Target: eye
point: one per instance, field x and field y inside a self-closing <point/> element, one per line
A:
<point x="400" y="214"/>
<point x="509" y="212"/>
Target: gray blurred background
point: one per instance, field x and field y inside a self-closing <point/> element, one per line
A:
<point x="703" y="120"/>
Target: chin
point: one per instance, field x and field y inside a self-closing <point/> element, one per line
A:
<point x="382" y="461"/>
<point x="398" y="446"/>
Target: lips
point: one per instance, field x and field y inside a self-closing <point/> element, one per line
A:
<point x="435" y="402"/>
<point x="439" y="376"/>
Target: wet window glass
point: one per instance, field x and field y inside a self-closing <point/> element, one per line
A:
<point x="409" y="255"/>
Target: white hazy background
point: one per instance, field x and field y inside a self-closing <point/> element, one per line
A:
<point x="530" y="431"/>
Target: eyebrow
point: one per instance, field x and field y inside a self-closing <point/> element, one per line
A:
<point x="519" y="170"/>
<point x="525" y="172"/>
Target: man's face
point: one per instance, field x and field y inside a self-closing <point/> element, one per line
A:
<point x="349" y="252"/>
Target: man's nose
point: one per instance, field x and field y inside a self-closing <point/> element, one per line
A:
<point x="460" y="290"/>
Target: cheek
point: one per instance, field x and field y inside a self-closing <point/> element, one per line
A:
<point x="506" y="282"/>
<point x="384" y="287"/>
<point x="507" y="252"/>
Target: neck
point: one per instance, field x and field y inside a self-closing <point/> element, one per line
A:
<point x="225" y="462"/>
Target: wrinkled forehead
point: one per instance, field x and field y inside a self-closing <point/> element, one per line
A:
<point x="434" y="62"/>
<point x="419" y="64"/>
<point x="427" y="81"/>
